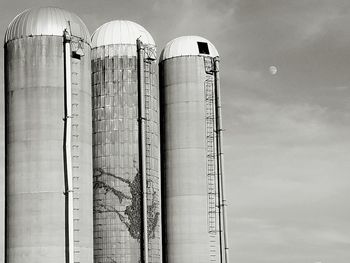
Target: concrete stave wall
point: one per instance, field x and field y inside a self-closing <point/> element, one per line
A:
<point x="184" y="159"/>
<point x="35" y="218"/>
<point x="117" y="192"/>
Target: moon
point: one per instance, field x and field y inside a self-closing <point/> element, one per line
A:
<point x="273" y="70"/>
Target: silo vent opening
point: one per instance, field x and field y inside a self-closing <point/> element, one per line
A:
<point x="203" y="48"/>
<point x="76" y="55"/>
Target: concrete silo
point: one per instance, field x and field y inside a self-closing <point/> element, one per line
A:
<point x="194" y="212"/>
<point x="125" y="145"/>
<point x="48" y="138"/>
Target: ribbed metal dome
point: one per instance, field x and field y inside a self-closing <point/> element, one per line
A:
<point x="120" y="32"/>
<point x="187" y="46"/>
<point x="46" y="21"/>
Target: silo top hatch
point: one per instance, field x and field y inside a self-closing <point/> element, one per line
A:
<point x="121" y="32"/>
<point x="188" y="46"/>
<point x="49" y="21"/>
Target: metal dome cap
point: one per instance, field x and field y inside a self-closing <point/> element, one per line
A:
<point x="188" y="46"/>
<point x="50" y="21"/>
<point x="122" y="32"/>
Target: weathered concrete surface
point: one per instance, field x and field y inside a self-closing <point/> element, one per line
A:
<point x="184" y="159"/>
<point x="34" y="158"/>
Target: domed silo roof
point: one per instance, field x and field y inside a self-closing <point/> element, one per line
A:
<point x="188" y="46"/>
<point x="50" y="21"/>
<point x="120" y="32"/>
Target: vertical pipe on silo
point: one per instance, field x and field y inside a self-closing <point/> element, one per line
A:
<point x="36" y="138"/>
<point x="218" y="159"/>
<point x="67" y="149"/>
<point x="5" y="209"/>
<point x="221" y="183"/>
<point x="142" y="146"/>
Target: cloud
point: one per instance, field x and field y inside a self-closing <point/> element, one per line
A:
<point x="287" y="136"/>
<point x="288" y="174"/>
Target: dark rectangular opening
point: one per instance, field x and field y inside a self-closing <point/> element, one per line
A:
<point x="76" y="55"/>
<point x="203" y="48"/>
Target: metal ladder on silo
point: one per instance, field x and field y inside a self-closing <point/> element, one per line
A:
<point x="210" y="121"/>
<point x="149" y="71"/>
<point x="147" y="86"/>
<point x="210" y="149"/>
<point x="148" y="132"/>
<point x="75" y="156"/>
<point x="211" y="165"/>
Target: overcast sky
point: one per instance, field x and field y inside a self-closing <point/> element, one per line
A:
<point x="287" y="136"/>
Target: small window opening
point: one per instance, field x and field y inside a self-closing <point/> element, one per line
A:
<point x="76" y="55"/>
<point x="203" y="48"/>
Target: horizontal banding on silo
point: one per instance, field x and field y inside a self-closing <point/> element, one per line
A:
<point x="35" y="84"/>
<point x="117" y="186"/>
<point x="187" y="88"/>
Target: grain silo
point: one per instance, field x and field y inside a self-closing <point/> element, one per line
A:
<point x="48" y="138"/>
<point x="194" y="216"/>
<point x="125" y="145"/>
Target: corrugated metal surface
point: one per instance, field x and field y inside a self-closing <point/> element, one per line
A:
<point x="121" y="32"/>
<point x="45" y="21"/>
<point x="186" y="46"/>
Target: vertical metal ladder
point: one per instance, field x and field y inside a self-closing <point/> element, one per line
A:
<point x="75" y="155"/>
<point x="147" y="86"/>
<point x="211" y="169"/>
<point x="210" y="149"/>
<point x="148" y="135"/>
